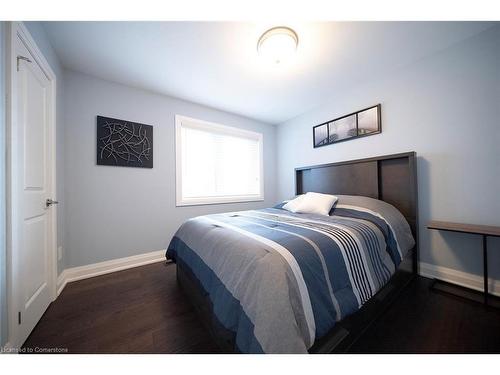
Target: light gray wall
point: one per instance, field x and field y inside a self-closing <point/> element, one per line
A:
<point x="446" y="108"/>
<point x="41" y="39"/>
<point x="3" y="265"/>
<point x="114" y="212"/>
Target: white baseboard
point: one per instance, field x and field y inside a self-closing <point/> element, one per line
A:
<point x="450" y="275"/>
<point x="101" y="268"/>
<point x="464" y="279"/>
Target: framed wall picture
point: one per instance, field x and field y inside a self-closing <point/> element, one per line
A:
<point x="354" y="125"/>
<point x="342" y="129"/>
<point x="320" y="135"/>
<point x="369" y="121"/>
<point x="124" y="143"/>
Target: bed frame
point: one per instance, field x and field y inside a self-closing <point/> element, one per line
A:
<point x="391" y="178"/>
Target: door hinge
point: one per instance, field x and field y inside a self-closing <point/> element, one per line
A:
<point x="19" y="318"/>
<point x="22" y="58"/>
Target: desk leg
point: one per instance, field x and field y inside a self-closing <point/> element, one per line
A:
<point x="485" y="269"/>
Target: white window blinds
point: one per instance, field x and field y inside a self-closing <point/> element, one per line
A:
<point x="217" y="164"/>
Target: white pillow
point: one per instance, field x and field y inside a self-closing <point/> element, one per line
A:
<point x="293" y="204"/>
<point x="312" y="203"/>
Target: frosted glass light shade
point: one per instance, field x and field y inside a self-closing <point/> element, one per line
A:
<point x="278" y="44"/>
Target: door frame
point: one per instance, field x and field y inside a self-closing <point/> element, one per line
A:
<point x="18" y="30"/>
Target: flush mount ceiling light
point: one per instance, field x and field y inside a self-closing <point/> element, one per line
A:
<point x="278" y="44"/>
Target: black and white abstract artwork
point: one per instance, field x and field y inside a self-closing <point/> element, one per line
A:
<point x="124" y="143"/>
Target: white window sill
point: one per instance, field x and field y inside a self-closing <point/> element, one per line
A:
<point x="217" y="200"/>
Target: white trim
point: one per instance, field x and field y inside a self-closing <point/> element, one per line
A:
<point x="450" y="275"/>
<point x="461" y="278"/>
<point x="109" y="266"/>
<point x="432" y="271"/>
<point x="17" y="30"/>
<point x="213" y="127"/>
<point x="184" y="121"/>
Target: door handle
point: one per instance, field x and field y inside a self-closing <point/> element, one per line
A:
<point x="49" y="202"/>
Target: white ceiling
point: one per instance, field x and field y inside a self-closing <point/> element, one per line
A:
<point x="216" y="63"/>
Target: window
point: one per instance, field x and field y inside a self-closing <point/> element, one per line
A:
<point x="216" y="163"/>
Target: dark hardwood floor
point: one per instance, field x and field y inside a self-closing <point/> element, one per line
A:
<point x="142" y="310"/>
<point x="427" y="321"/>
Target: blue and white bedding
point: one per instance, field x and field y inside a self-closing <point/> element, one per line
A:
<point x="279" y="280"/>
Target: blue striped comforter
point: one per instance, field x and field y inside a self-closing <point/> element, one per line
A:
<point x="278" y="280"/>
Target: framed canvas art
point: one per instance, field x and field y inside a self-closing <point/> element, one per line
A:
<point x="124" y="143"/>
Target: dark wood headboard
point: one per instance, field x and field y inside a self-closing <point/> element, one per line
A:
<point x="391" y="178"/>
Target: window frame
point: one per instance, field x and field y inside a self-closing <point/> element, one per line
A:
<point x="221" y="129"/>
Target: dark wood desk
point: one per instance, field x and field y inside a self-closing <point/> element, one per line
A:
<point x="482" y="230"/>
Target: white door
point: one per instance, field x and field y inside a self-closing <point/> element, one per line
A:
<point x="34" y="235"/>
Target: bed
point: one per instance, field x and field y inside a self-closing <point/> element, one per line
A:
<point x="272" y="281"/>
